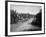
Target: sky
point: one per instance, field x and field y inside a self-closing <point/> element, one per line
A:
<point x="25" y="8"/>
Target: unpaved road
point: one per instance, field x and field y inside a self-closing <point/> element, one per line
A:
<point x="23" y="26"/>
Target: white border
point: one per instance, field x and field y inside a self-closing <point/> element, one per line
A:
<point x="31" y="32"/>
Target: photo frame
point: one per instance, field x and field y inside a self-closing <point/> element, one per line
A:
<point x="10" y="4"/>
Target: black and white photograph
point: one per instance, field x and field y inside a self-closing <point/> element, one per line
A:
<point x="25" y="18"/>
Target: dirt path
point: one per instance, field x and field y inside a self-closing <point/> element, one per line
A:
<point x="23" y="26"/>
